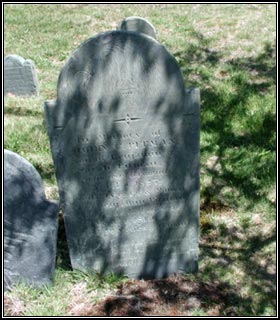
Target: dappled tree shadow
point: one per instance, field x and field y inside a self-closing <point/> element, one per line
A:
<point x="261" y="71"/>
<point x="261" y="280"/>
<point x="261" y="136"/>
<point x="21" y="111"/>
<point x="264" y="65"/>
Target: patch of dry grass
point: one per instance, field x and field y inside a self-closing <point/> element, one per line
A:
<point x="13" y="307"/>
<point x="81" y="299"/>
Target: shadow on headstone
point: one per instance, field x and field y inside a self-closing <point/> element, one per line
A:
<point x="30" y="225"/>
<point x="20" y="76"/>
<point x="124" y="136"/>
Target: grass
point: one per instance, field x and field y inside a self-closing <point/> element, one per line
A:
<point x="68" y="290"/>
<point x="229" y="52"/>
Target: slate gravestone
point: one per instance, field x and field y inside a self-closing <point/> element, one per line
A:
<point x="124" y="136"/>
<point x="20" y="76"/>
<point x="138" y="24"/>
<point x="30" y="225"/>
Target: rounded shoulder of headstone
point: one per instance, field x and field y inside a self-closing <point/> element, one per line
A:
<point x="107" y="50"/>
<point x="113" y="39"/>
<point x="95" y="57"/>
<point x="13" y="60"/>
<point x="30" y="63"/>
<point x="17" y="166"/>
<point x="138" y="24"/>
<point x="100" y="46"/>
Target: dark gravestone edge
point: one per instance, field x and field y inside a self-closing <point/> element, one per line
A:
<point x="30" y="225"/>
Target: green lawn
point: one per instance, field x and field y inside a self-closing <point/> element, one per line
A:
<point x="229" y="52"/>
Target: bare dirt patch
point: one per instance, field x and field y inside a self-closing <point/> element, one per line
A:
<point x="174" y="296"/>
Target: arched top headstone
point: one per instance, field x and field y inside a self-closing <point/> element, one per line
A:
<point x="30" y="224"/>
<point x="138" y="24"/>
<point x="20" y="76"/>
<point x="112" y="68"/>
<point x="124" y="138"/>
<point x="15" y="60"/>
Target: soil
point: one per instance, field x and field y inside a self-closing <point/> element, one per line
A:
<point x="173" y="296"/>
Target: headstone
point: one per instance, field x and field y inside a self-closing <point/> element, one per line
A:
<point x="138" y="24"/>
<point x="124" y="136"/>
<point x="20" y="76"/>
<point x="30" y="225"/>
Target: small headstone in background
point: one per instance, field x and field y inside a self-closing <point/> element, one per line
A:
<point x="20" y="76"/>
<point x="138" y="24"/>
<point x="30" y="225"/>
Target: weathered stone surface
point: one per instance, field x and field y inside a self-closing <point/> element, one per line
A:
<point x="138" y="24"/>
<point x="125" y="142"/>
<point x="20" y="76"/>
<point x="30" y="225"/>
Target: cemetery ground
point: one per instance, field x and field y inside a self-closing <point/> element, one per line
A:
<point x="228" y="51"/>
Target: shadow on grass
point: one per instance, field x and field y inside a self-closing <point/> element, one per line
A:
<point x="21" y="111"/>
<point x="46" y="171"/>
<point x="258" y="278"/>
<point x="247" y="155"/>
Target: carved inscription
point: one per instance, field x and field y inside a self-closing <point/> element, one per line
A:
<point x="144" y="159"/>
<point x="131" y="144"/>
<point x="96" y="157"/>
<point x="126" y="92"/>
<point x="143" y="199"/>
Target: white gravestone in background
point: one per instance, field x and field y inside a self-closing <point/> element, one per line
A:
<point x="20" y="76"/>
